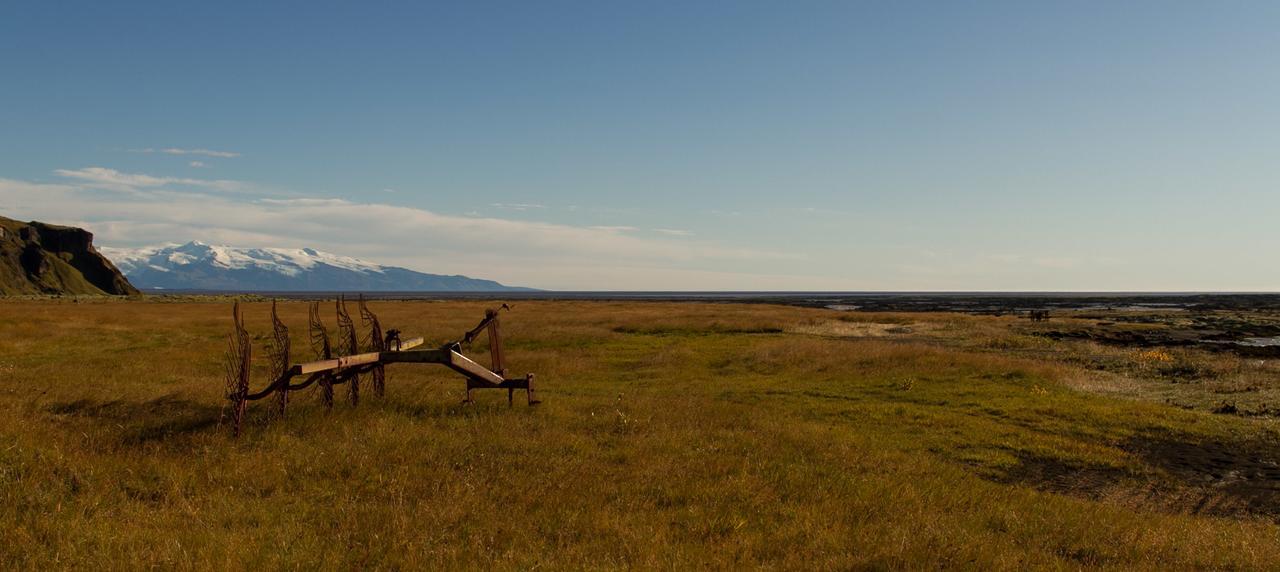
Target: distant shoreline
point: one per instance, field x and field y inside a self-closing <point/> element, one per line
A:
<point x="970" y="302"/>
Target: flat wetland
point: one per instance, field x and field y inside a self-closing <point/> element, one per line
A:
<point x="671" y="435"/>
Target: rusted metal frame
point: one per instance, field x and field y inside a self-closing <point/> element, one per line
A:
<point x="463" y="364"/>
<point x="477" y="376"/>
<point x="495" y="348"/>
<point x="406" y="345"/>
<point x="317" y="370"/>
<point x="331" y="371"/>
<point x="491" y="323"/>
<point x="350" y="374"/>
<point x="504" y="384"/>
<point x="342" y="376"/>
<point x="353" y="360"/>
<point x="335" y="363"/>
<point x="240" y="356"/>
<point x="313" y="378"/>
<point x="440" y="355"/>
<point x="473" y="333"/>
<point x="280" y="384"/>
<point x="348" y="344"/>
<point x="237" y="366"/>
<point x="448" y="356"/>
<point x="278" y="351"/>
<point x="323" y="349"/>
<point x="495" y="353"/>
<point x="376" y="343"/>
<point x="480" y="378"/>
<point x="489" y="316"/>
<point x="510" y="384"/>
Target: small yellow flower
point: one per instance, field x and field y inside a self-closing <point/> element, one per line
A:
<point x="1155" y="356"/>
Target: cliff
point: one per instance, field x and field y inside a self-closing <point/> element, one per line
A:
<point x="39" y="258"/>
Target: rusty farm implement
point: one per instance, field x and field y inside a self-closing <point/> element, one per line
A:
<point x="348" y="359"/>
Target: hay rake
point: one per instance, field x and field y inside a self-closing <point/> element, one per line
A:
<point x="340" y="361"/>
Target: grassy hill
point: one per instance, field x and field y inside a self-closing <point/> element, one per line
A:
<point x="39" y="258"/>
<point x="671" y="436"/>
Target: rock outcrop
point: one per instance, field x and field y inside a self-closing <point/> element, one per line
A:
<point x="39" y="258"/>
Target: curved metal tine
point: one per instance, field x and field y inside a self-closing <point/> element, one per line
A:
<point x="236" y="365"/>
<point x="374" y="343"/>
<point x="348" y="344"/>
<point x="323" y="350"/>
<point x="278" y="352"/>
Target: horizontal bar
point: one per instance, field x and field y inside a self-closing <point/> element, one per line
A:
<point x="514" y="383"/>
<point x="417" y="356"/>
<point x="447" y="356"/>
<point x="336" y="363"/>
<point x="409" y="344"/>
<point x="349" y="361"/>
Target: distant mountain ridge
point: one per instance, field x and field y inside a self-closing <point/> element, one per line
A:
<point x="199" y="266"/>
<point x="41" y="258"/>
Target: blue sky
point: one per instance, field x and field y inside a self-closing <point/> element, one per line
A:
<point x="673" y="146"/>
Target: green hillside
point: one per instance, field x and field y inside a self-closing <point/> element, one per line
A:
<point x="39" y="258"/>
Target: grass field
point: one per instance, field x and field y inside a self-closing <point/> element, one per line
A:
<point x="672" y="435"/>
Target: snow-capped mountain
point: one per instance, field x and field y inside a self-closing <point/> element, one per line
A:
<point x="200" y="266"/>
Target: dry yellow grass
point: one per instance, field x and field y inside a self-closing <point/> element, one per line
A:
<point x="672" y="436"/>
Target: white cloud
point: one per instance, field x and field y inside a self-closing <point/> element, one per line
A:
<point x="179" y="151"/>
<point x="198" y="164"/>
<point x="818" y="210"/>
<point x="530" y="238"/>
<point x="673" y="232"/>
<point x="516" y="206"/>
<point x="102" y="177"/>
<point x="15" y="187"/>
<point x="520" y="252"/>
<point x="614" y="228"/>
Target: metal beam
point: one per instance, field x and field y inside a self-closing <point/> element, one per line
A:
<point x="462" y="364"/>
<point x="336" y="363"/>
<point x="409" y="344"/>
<point x="417" y="356"/>
<point x="352" y="360"/>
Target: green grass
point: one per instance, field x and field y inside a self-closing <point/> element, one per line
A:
<point x="671" y="436"/>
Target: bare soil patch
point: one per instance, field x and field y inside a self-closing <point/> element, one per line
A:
<point x="1177" y="475"/>
<point x="844" y="329"/>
